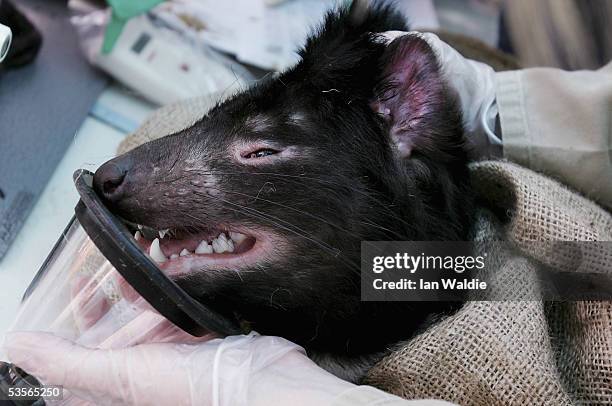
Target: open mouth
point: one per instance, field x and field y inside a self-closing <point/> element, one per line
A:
<point x="178" y="251"/>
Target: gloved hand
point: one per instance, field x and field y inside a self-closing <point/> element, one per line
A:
<point x="240" y="370"/>
<point x="474" y="84"/>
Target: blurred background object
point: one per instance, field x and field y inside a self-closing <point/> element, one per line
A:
<point x="44" y="98"/>
<point x="475" y="19"/>
<point x="26" y="38"/>
<point x="568" y="34"/>
<point x="171" y="50"/>
<point x="157" y="52"/>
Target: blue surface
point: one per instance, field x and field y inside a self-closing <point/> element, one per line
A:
<point x="41" y="107"/>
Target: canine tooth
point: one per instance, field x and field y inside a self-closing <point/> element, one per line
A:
<point x="138" y="236"/>
<point x="140" y="226"/>
<point x="184" y="252"/>
<point x="230" y="246"/>
<point x="174" y="256"/>
<point x="156" y="253"/>
<point x="162" y="233"/>
<point x="237" y="237"/>
<point x="204" y="248"/>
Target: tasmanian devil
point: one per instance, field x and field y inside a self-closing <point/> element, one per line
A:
<point x="268" y="196"/>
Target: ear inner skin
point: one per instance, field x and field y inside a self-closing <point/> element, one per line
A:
<point x="414" y="101"/>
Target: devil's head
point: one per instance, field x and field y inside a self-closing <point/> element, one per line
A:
<point x="361" y="140"/>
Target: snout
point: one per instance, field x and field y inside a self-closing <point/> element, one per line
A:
<point x="174" y="214"/>
<point x="147" y="186"/>
<point x="112" y="178"/>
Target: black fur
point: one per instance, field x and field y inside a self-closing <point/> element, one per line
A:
<point x="347" y="184"/>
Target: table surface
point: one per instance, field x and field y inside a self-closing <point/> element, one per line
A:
<point x="95" y="143"/>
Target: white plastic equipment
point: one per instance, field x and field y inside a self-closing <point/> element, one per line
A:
<point x="5" y="41"/>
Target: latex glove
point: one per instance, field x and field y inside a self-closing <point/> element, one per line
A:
<point x="240" y="370"/>
<point x="474" y="84"/>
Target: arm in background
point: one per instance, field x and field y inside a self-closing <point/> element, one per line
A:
<point x="560" y="123"/>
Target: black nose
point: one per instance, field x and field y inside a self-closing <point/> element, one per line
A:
<point x="109" y="180"/>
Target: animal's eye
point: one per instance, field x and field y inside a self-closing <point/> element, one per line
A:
<point x="260" y="153"/>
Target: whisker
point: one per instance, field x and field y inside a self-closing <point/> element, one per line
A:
<point x="282" y="224"/>
<point x="343" y="229"/>
<point x="334" y="185"/>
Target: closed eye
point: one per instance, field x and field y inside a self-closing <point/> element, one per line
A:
<point x="264" y="152"/>
<point x="260" y="153"/>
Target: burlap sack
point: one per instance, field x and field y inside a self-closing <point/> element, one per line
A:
<point x="516" y="353"/>
<point x="494" y="353"/>
<point x="168" y="120"/>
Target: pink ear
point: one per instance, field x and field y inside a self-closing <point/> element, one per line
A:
<point x="412" y="96"/>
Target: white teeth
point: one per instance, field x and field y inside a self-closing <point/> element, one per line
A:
<point x="217" y="246"/>
<point x="184" y="252"/>
<point x="174" y="256"/>
<point x="156" y="253"/>
<point x="221" y="244"/>
<point x="237" y="237"/>
<point x="138" y="236"/>
<point x="204" y="248"/>
<point x="162" y="233"/>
